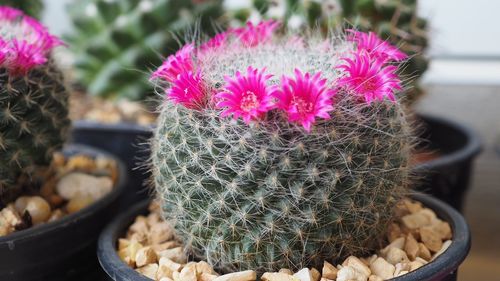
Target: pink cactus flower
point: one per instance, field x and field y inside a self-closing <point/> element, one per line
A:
<point x="8" y="13"/>
<point x="175" y="64"/>
<point x="252" y="35"/>
<point x="247" y="96"/>
<point x="305" y="97"/>
<point x="26" y="56"/>
<point x="375" y="46"/>
<point x="188" y="89"/>
<point x="24" y="42"/>
<point x="368" y="78"/>
<point x="4" y="51"/>
<point x="214" y="43"/>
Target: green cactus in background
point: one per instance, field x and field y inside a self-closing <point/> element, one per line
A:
<point x="269" y="195"/>
<point x="30" y="7"/>
<point x="116" y="42"/>
<point x="394" y="20"/>
<point x="33" y="100"/>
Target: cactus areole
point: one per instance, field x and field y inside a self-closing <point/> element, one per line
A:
<point x="33" y="99"/>
<point x="281" y="151"/>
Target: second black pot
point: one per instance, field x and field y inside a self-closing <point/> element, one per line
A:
<point x="447" y="177"/>
<point x="127" y="141"/>
<point x="443" y="268"/>
<point x="64" y="249"/>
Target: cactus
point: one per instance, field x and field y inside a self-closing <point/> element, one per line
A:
<point x="312" y="163"/>
<point x="30" y="7"/>
<point x="116" y="42"/>
<point x="33" y="99"/>
<point x="394" y="20"/>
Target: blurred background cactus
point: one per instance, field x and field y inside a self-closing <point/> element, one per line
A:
<point x="33" y="100"/>
<point x="30" y="7"/>
<point x="116" y="42"/>
<point x="394" y="20"/>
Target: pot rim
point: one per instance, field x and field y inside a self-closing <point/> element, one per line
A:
<point x="443" y="265"/>
<point x="74" y="218"/>
<point x="472" y="147"/>
<point x="119" y="127"/>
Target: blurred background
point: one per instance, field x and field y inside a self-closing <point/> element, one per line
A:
<point x="461" y="83"/>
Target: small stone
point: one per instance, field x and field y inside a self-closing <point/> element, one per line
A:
<point x="160" y="232"/>
<point x="36" y="206"/>
<point x="431" y="239"/>
<point x="348" y="273"/>
<point x="277" y="276"/>
<point x="248" y="275"/>
<point x="402" y="273"/>
<point x="382" y="268"/>
<point x="140" y="225"/>
<point x="78" y="184"/>
<point x="419" y="259"/>
<point x="48" y="188"/>
<point x="394" y="232"/>
<point x="129" y="253"/>
<point x="304" y="275"/>
<point x="412" y="206"/>
<point x="415" y="220"/>
<point x="445" y="246"/>
<point x="286" y="270"/>
<point x="429" y="214"/>
<point x="414" y="265"/>
<point x="165" y="279"/>
<point x="325" y="279"/>
<point x="188" y="273"/>
<point x="204" y="267"/>
<point x="55" y="200"/>
<point x="56" y="214"/>
<point x="401" y="267"/>
<point x="398" y="243"/>
<point x="153" y="218"/>
<point x="411" y="247"/>
<point x="375" y="278"/>
<point x="315" y="274"/>
<point x="164" y="272"/>
<point x="357" y="264"/>
<point x="81" y="163"/>
<point x="145" y="256"/>
<point x="148" y="270"/>
<point x="9" y="220"/>
<point x="329" y="271"/>
<point x="207" y="277"/>
<point x="164" y="246"/>
<point x="76" y="204"/>
<point x="443" y="229"/>
<point x="395" y="255"/>
<point x="140" y="237"/>
<point x="170" y="264"/>
<point x="123" y="243"/>
<point x="174" y="254"/>
<point x="423" y="252"/>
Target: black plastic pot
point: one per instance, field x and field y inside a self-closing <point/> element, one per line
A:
<point x="448" y="176"/>
<point x="64" y="249"/>
<point x="128" y="142"/>
<point x="442" y="268"/>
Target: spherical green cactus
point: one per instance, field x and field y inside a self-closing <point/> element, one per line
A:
<point x="316" y="172"/>
<point x="116" y="42"/>
<point x="33" y="99"/>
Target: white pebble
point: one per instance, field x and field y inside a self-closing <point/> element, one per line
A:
<point x="83" y="185"/>
<point x="348" y="273"/>
<point x="382" y="268"/>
